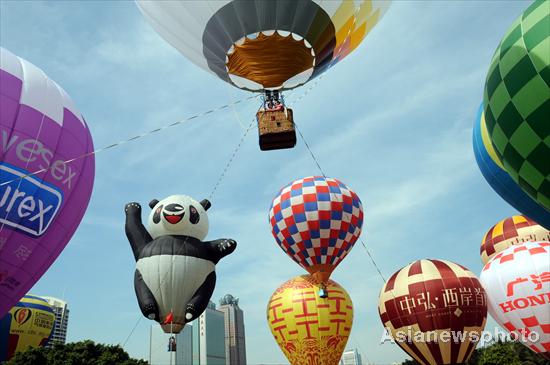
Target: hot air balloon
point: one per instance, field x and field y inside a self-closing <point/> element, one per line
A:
<point x="266" y="46"/>
<point x="492" y="169"/>
<point x="310" y="330"/>
<point x="517" y="281"/>
<point x="28" y="324"/>
<point x="435" y="310"/>
<point x="517" y="101"/>
<point x="511" y="231"/>
<point x="316" y="221"/>
<point x="175" y="269"/>
<point x="44" y="185"/>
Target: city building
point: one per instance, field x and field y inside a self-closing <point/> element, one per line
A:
<point x="209" y="338"/>
<point x="160" y="350"/>
<point x="235" y="349"/>
<point x="61" y="310"/>
<point x="351" y="357"/>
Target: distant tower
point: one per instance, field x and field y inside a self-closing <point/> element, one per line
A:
<point x="351" y="357"/>
<point x="59" y="333"/>
<point x="208" y="338"/>
<point x="235" y="349"/>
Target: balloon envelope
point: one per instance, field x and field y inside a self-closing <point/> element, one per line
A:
<point x="511" y="231"/>
<point x="261" y="44"/>
<point x="502" y="183"/>
<point x="310" y="329"/>
<point x="517" y="101"/>
<point x="316" y="221"/>
<point x="428" y="305"/>
<point x="517" y="281"/>
<point x="40" y="129"/>
<point x="28" y="324"/>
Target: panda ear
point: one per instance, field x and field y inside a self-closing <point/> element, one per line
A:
<point x="152" y="203"/>
<point x="205" y="204"/>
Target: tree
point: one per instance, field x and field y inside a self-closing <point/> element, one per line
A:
<point x="499" y="353"/>
<point x="77" y="353"/>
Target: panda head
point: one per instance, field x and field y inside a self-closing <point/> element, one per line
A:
<point x="178" y="215"/>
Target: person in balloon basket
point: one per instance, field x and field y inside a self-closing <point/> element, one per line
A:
<point x="175" y="269"/>
<point x="274" y="106"/>
<point x="172" y="344"/>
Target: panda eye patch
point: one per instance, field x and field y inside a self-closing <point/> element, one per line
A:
<point x="194" y="216"/>
<point x="156" y="216"/>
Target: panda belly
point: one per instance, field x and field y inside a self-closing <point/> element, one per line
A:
<point x="173" y="279"/>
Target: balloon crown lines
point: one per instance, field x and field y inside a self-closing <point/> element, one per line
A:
<point x="457" y="337"/>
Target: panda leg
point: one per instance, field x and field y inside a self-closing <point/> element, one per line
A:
<point x="146" y="300"/>
<point x="200" y="299"/>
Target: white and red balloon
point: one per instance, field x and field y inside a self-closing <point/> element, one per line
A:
<point x="517" y="283"/>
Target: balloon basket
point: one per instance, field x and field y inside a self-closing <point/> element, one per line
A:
<point x="172" y="327"/>
<point x="276" y="129"/>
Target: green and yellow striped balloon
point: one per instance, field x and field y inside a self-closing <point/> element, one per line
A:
<point x="517" y="101"/>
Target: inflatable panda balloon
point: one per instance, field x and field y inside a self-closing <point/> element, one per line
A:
<point x="175" y="269"/>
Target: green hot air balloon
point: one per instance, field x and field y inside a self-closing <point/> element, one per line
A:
<point x="517" y="101"/>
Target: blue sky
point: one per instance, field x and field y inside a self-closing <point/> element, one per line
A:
<point x="393" y="121"/>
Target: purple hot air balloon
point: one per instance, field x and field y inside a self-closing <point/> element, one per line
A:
<point x="40" y="129"/>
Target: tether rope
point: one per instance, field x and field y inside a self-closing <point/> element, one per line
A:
<point x="136" y="137"/>
<point x="316" y="161"/>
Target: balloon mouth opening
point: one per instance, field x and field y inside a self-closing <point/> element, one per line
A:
<point x="173" y="218"/>
<point x="271" y="59"/>
<point x="321" y="273"/>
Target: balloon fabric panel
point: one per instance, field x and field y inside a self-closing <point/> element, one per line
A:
<point x="511" y="231"/>
<point x="434" y="296"/>
<point x="316" y="221"/>
<point x="517" y="101"/>
<point x="209" y="33"/>
<point x="502" y="183"/>
<point x="28" y="324"/>
<point x="40" y="129"/>
<point x="517" y="281"/>
<point x="309" y="329"/>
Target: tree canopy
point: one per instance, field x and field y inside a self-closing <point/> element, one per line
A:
<point x="76" y="353"/>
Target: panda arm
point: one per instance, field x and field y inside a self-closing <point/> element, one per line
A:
<point x="221" y="248"/>
<point x="135" y="231"/>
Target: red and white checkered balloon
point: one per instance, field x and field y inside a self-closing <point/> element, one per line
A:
<point x="517" y="283"/>
<point x="316" y="221"/>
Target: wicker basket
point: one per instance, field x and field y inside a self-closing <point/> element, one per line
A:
<point x="276" y="129"/>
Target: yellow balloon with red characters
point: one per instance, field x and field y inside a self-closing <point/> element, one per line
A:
<point x="29" y="324"/>
<point x="310" y="330"/>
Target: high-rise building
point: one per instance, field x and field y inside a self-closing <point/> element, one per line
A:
<point x="235" y="349"/>
<point x="162" y="353"/>
<point x="351" y="357"/>
<point x="209" y="338"/>
<point x="59" y="333"/>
